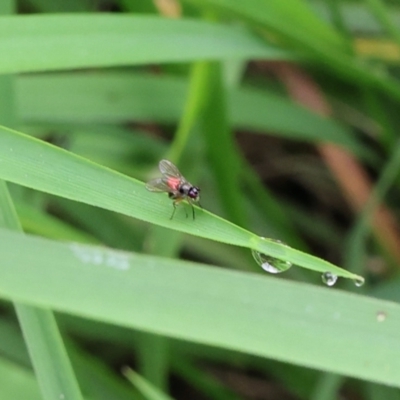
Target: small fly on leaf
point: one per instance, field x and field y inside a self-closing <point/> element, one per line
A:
<point x="173" y="183"/>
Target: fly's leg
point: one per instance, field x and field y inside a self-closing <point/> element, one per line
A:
<point x="173" y="196"/>
<point x="174" y="203"/>
<point x="191" y="205"/>
<point x="173" y="212"/>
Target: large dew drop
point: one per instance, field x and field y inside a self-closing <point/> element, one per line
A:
<point x="270" y="264"/>
<point x="359" y="281"/>
<point x="329" y="279"/>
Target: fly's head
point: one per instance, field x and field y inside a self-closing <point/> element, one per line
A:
<point x="194" y="193"/>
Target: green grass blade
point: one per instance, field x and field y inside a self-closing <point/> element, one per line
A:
<point x="240" y="311"/>
<point x="40" y="223"/>
<point x="220" y="145"/>
<point x="384" y="15"/>
<point x="58" y="6"/>
<point x="53" y="42"/>
<point x="98" y="382"/>
<point x="357" y="238"/>
<point x="52" y="366"/>
<point x="295" y="22"/>
<point x="154" y="359"/>
<point x="12" y="345"/>
<point x="293" y="19"/>
<point x="38" y="165"/>
<point x="379" y="392"/>
<point x="72" y="98"/>
<point x="203" y="381"/>
<point x="327" y="387"/>
<point x="40" y="330"/>
<point x="194" y="104"/>
<point x="17" y="382"/>
<point x="149" y="391"/>
<point x="50" y="360"/>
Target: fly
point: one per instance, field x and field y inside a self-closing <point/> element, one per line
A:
<point x="173" y="183"/>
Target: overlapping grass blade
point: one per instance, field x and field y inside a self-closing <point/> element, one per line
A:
<point x="17" y="382"/>
<point x="219" y="139"/>
<point x="240" y="311"/>
<point x="54" y="42"/>
<point x="299" y="26"/>
<point x="71" y="98"/>
<point x="148" y="391"/>
<point x="293" y="19"/>
<point x="49" y="358"/>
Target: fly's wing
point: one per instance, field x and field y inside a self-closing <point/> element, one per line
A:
<point x="157" y="185"/>
<point x="169" y="170"/>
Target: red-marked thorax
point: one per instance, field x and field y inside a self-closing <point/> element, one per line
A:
<point x="174" y="183"/>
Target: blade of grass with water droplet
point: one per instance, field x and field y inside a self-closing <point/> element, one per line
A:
<point x="246" y="312"/>
<point x="39" y="165"/>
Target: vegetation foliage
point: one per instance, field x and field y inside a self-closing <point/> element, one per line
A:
<point x="284" y="114"/>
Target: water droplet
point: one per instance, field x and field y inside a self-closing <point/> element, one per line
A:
<point x="329" y="279"/>
<point x="359" y="281"/>
<point x="271" y="264"/>
<point x="381" y="316"/>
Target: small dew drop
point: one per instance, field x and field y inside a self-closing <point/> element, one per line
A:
<point x="359" y="281"/>
<point x="277" y="241"/>
<point x="271" y="264"/>
<point x="329" y="279"/>
<point x="381" y="316"/>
